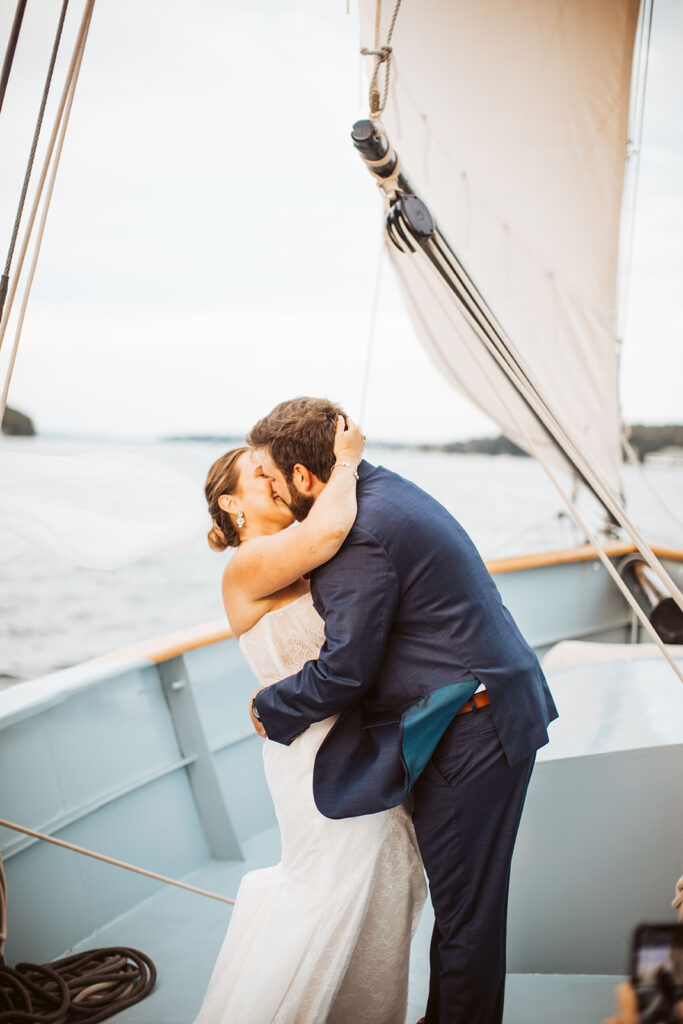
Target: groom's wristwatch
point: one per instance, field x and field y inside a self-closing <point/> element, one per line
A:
<point x="254" y="710"/>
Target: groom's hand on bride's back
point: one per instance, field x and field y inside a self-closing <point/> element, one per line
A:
<point x="256" y="722"/>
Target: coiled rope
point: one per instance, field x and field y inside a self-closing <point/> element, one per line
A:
<point x="88" y="986"/>
<point x="79" y="989"/>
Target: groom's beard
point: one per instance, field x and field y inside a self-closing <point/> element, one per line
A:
<point x="299" y="504"/>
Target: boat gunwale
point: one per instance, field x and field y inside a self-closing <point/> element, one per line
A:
<point x="582" y="553"/>
<point x="160" y="649"/>
<point x="18" y="700"/>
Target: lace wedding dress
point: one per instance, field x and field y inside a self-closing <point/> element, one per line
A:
<point x="323" y="936"/>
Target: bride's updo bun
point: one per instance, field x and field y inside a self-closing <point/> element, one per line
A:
<point x="222" y="478"/>
<point x="217" y="539"/>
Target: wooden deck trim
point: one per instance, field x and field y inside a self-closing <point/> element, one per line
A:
<point x="170" y="645"/>
<point x="161" y="648"/>
<point x="585" y="553"/>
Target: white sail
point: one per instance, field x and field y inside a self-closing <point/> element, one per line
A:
<point x="510" y="119"/>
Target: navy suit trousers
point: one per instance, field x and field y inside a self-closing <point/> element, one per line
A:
<point x="467" y="807"/>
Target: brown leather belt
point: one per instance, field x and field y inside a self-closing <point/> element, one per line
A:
<point x="480" y="700"/>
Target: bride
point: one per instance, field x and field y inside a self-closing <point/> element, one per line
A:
<point x="323" y="936"/>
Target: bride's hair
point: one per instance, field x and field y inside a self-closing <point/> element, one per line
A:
<point x="299" y="430"/>
<point x="222" y="478"/>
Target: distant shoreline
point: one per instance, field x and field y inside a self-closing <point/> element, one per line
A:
<point x="485" y="445"/>
<point x="645" y="440"/>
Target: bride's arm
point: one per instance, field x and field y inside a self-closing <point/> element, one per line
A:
<point x="267" y="564"/>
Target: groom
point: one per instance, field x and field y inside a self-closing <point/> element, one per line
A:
<point x="438" y="694"/>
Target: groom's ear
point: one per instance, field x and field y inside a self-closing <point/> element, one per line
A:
<point x="303" y="479"/>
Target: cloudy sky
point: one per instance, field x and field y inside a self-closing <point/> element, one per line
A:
<point x="213" y="241"/>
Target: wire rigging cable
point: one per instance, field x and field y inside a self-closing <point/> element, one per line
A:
<point x="11" y="48"/>
<point x="602" y="554"/>
<point x="4" y="281"/>
<point x="54" y="147"/>
<point x="412" y="230"/>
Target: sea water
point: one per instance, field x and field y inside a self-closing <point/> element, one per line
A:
<point x="54" y="615"/>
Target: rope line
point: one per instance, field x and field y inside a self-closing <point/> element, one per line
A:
<point x="112" y="860"/>
<point x="382" y="55"/>
<point x="55" y="146"/>
<point x="534" y="398"/>
<point x="434" y="250"/>
<point x="80" y="989"/>
<point x="592" y="537"/>
<point x="491" y="334"/>
<point x="66" y="91"/>
<point x="34" y="145"/>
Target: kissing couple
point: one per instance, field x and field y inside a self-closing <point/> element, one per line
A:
<point x="401" y="710"/>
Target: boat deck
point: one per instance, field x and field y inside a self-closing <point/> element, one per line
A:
<point x="183" y="932"/>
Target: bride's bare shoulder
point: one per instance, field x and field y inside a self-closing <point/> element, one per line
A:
<point x="241" y="611"/>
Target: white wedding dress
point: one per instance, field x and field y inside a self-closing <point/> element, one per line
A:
<point x="323" y="936"/>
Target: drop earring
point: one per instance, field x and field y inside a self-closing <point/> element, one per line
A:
<point x="240" y="520"/>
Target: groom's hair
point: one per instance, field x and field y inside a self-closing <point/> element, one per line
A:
<point x="299" y="430"/>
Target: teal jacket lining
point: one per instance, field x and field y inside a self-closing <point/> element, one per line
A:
<point x="425" y="723"/>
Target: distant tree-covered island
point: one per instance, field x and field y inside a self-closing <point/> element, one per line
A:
<point x="643" y="440"/>
<point x="232" y="439"/>
<point x="17" y="423"/>
<point x="500" y="445"/>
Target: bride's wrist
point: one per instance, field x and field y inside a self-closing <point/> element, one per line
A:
<point x="347" y="464"/>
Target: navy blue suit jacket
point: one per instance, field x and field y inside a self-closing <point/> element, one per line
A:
<point x="413" y="624"/>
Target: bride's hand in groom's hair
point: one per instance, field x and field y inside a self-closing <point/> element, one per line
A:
<point x="349" y="442"/>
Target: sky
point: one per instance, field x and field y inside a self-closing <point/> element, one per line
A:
<point x="213" y="241"/>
